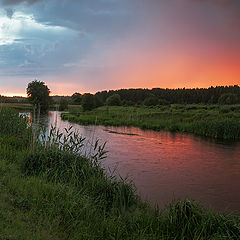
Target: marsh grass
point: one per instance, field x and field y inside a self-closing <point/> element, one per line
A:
<point x="213" y="121"/>
<point x="17" y="106"/>
<point x="50" y="191"/>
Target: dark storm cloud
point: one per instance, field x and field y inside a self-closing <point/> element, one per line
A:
<point x="107" y="18"/>
<point x="230" y="9"/>
<point x="9" y="12"/>
<point x="98" y="40"/>
<point x="86" y="25"/>
<point x="218" y="2"/>
<point x="15" y="2"/>
<point x="232" y="5"/>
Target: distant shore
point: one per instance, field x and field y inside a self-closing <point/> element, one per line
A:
<point x="213" y="121"/>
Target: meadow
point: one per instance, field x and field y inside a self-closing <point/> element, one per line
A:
<point x="49" y="191"/>
<point x="213" y="121"/>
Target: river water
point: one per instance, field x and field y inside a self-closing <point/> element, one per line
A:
<point x="166" y="166"/>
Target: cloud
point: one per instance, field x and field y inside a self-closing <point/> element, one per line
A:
<point x="228" y="9"/>
<point x="9" y="12"/>
<point x="30" y="48"/>
<point x="15" y="2"/>
<point x="21" y="26"/>
<point x="114" y="43"/>
<point x="233" y="5"/>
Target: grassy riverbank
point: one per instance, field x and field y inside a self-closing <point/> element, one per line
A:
<point x="29" y="107"/>
<point x="47" y="191"/>
<point x="214" y="121"/>
<point x="17" y="106"/>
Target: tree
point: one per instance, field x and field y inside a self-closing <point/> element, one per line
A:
<point x="98" y="101"/>
<point x="163" y="102"/>
<point x="114" y="100"/>
<point x="227" y="98"/>
<point x="151" y="101"/>
<point x="63" y="104"/>
<point x="76" y="98"/>
<point x="88" y="102"/>
<point x="38" y="95"/>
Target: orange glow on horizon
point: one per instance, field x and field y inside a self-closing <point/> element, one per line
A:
<point x="14" y="94"/>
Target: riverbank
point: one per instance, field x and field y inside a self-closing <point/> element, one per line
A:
<point x="214" y="121"/>
<point x="47" y="191"/>
<point x="17" y="106"/>
<point x="27" y="106"/>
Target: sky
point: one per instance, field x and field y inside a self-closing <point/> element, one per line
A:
<point x="93" y="45"/>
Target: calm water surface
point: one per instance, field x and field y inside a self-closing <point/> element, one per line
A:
<point x="166" y="166"/>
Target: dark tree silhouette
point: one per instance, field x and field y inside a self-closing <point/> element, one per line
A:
<point x="181" y="95"/>
<point x="76" y="98"/>
<point x="38" y="95"/>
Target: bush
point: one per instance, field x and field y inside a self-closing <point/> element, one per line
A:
<point x="114" y="100"/>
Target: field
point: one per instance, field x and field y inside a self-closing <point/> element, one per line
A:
<point x="48" y="191"/>
<point x="214" y="121"/>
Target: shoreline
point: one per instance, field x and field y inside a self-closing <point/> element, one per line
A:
<point x="50" y="192"/>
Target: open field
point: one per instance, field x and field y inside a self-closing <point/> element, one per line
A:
<point x="214" y="121"/>
<point x="47" y="191"/>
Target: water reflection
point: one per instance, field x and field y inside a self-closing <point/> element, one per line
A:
<point x="166" y="166"/>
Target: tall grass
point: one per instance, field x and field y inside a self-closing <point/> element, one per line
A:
<point x="52" y="192"/>
<point x="219" y="122"/>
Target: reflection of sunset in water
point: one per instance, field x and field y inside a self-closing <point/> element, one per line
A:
<point x="165" y="166"/>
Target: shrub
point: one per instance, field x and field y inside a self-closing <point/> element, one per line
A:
<point x="114" y="100"/>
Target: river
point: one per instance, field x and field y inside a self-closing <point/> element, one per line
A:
<point x="166" y="166"/>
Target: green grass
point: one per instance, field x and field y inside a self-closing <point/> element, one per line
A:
<point x="214" y="121"/>
<point x="48" y="191"/>
<point x="28" y="107"/>
<point x="17" y="106"/>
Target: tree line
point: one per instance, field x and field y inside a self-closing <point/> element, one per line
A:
<point x="159" y="96"/>
<point x="38" y="95"/>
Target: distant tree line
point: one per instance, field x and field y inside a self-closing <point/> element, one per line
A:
<point x="38" y="93"/>
<point x="4" y="99"/>
<point x="159" y="96"/>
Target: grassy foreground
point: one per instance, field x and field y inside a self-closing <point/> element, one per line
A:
<point x="214" y="121"/>
<point x="48" y="191"/>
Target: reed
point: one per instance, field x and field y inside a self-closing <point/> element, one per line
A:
<point x="213" y="121"/>
<point x="50" y="191"/>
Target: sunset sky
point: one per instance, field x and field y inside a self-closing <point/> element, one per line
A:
<point x="92" y="45"/>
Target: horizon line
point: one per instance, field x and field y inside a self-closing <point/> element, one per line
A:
<point x="55" y="95"/>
